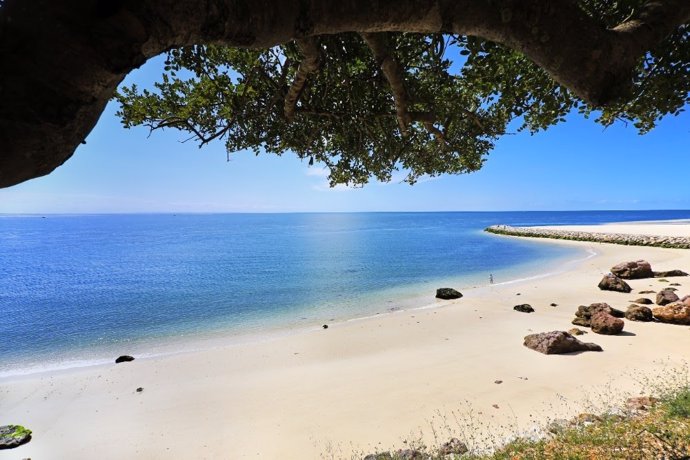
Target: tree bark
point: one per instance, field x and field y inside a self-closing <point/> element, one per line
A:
<point x="63" y="59"/>
<point x="394" y="73"/>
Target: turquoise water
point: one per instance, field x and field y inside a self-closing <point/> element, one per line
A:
<point x="79" y="289"/>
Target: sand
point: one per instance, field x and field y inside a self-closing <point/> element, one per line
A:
<point x="360" y="385"/>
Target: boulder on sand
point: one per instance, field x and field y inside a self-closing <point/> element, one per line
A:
<point x="557" y="342"/>
<point x="666" y="296"/>
<point x="639" y="313"/>
<point x="583" y="315"/>
<point x="12" y="436"/>
<point x="524" y="308"/>
<point x="633" y="270"/>
<point x="673" y="313"/>
<point x="124" y="359"/>
<point x="611" y="282"/>
<point x="604" y="323"/>
<point x="447" y="294"/>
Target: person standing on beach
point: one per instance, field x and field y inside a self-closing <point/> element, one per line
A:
<point x="491" y="278"/>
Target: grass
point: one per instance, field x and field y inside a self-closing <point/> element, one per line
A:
<point x="20" y="431"/>
<point x="661" y="431"/>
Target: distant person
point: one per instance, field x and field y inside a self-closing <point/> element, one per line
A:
<point x="491" y="278"/>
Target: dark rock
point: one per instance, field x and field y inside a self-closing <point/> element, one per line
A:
<point x="447" y="294"/>
<point x="644" y="301"/>
<point x="669" y="273"/>
<point x="611" y="282"/>
<point x="325" y="326"/>
<point x="124" y="359"/>
<point x="498" y="382"/>
<point x="557" y="342"/>
<point x="140" y="389"/>
<point x="583" y="315"/>
<point x="670" y="289"/>
<point x="603" y="323"/>
<point x="633" y="270"/>
<point x="12" y="436"/>
<point x="673" y="313"/>
<point x="576" y="331"/>
<point x="553" y="304"/>
<point x="524" y="308"/>
<point x="666" y="297"/>
<point x="647" y="292"/>
<point x="675" y="284"/>
<point x="453" y="447"/>
<point x="639" y="313"/>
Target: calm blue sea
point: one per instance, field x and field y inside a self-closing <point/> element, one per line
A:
<point x="82" y="289"/>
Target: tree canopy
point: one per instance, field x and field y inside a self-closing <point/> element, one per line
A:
<point x="366" y="88"/>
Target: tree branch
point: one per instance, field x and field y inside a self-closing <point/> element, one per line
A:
<point x="58" y="78"/>
<point x="309" y="47"/>
<point x="394" y="73"/>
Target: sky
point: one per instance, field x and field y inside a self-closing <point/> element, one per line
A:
<point x="577" y="165"/>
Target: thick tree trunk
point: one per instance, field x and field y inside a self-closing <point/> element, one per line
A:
<point x="63" y="59"/>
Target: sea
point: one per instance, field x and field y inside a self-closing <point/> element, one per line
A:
<point x="79" y="290"/>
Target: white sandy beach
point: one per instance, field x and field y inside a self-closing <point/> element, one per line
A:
<point x="359" y="385"/>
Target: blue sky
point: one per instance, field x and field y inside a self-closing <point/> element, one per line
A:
<point x="577" y="165"/>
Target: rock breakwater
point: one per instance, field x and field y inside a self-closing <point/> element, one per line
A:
<point x="679" y="242"/>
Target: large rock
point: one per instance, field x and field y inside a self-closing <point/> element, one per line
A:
<point x="603" y="323"/>
<point x="12" y="436"/>
<point x="673" y="313"/>
<point x="124" y="359"/>
<point x="685" y="300"/>
<point x="557" y="342"/>
<point x="669" y="273"/>
<point x="633" y="270"/>
<point x="583" y="315"/>
<point x="524" y="308"/>
<point x="666" y="297"/>
<point x="639" y="313"/>
<point x="447" y="293"/>
<point x="611" y="282"/>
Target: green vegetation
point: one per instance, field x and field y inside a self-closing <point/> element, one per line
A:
<point x="366" y="105"/>
<point x="661" y="432"/>
<point x="20" y="431"/>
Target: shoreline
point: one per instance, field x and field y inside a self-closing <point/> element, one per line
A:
<point x="173" y="345"/>
<point x="362" y="385"/>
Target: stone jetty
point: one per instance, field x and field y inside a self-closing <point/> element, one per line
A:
<point x="613" y="238"/>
